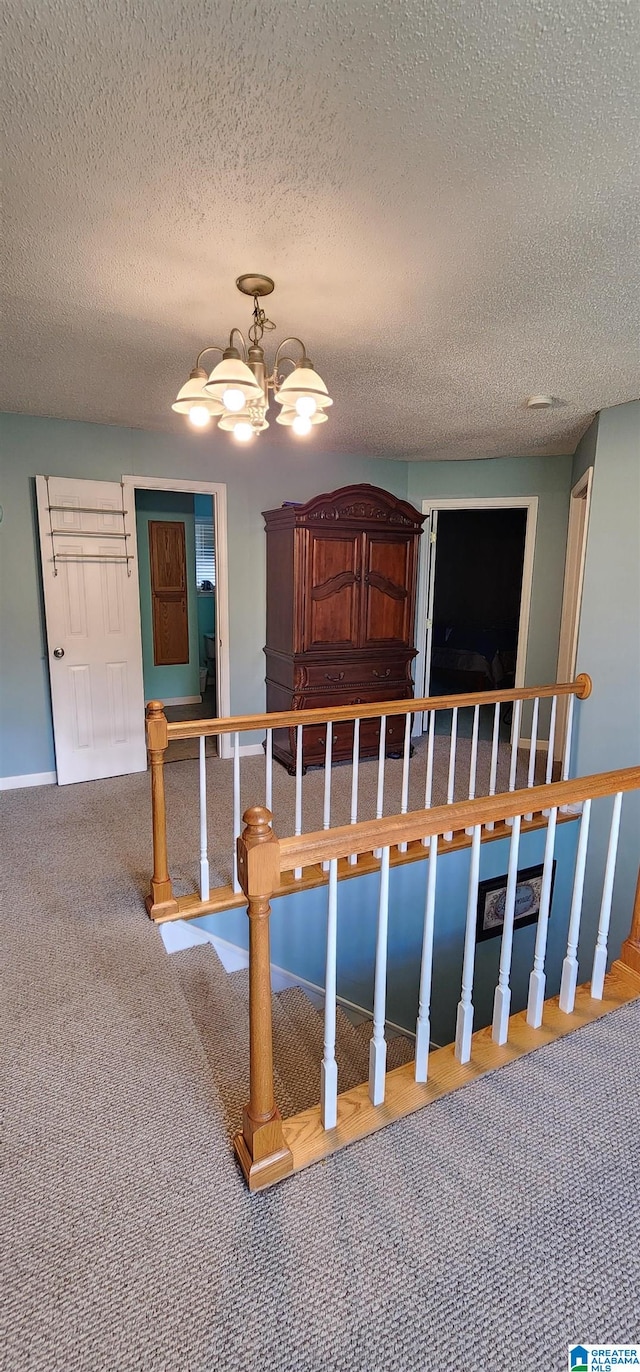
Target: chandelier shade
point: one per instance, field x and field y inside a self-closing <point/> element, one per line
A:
<point x="302" y="383"/>
<point x="232" y="374"/>
<point x="250" y="415"/>
<point x="238" y="389"/>
<point x="193" y="394"/>
<point x="289" y="414"/>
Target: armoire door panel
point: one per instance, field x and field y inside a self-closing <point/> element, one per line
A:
<point x="387" y="581"/>
<point x="331" y="618"/>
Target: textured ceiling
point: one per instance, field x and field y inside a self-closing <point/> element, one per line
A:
<point x="445" y="192"/>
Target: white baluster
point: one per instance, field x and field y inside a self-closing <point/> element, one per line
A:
<point x="329" y="1069"/>
<point x="268" y="770"/>
<point x="600" y="955"/>
<point x="451" y="780"/>
<point x="495" y="744"/>
<point x="552" y="738"/>
<point x="423" y="1026"/>
<point x="377" y="1046"/>
<point x="533" y="751"/>
<point x="380" y="791"/>
<point x="298" y="811"/>
<point x="537" y="979"/>
<point x="204" y="856"/>
<point x="515" y="739"/>
<point x="326" y="812"/>
<point x="404" y="803"/>
<point x="464" y="1017"/>
<point x="566" y="754"/>
<point x="502" y="998"/>
<point x="428" y="786"/>
<point x="569" y="979"/>
<point x="473" y="767"/>
<point x="353" y="857"/>
<point x="236" y="808"/>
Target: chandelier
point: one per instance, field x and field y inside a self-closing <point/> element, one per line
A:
<point x="236" y="393"/>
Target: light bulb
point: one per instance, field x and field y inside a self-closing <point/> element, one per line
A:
<point x="233" y="398"/>
<point x="243" y="432"/>
<point x="301" y="425"/>
<point x="306" y="406"/>
<point x="199" y="416"/>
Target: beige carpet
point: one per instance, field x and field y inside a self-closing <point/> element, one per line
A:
<point x="495" y="1226"/>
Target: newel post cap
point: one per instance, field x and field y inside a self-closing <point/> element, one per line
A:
<point x="157" y="735"/>
<point x="258" y="854"/>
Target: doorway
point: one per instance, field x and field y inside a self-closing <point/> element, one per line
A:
<point x="475" y="597"/>
<point x="201" y="690"/>
<point x="177" y="577"/>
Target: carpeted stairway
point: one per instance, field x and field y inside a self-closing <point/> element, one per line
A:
<point x="219" y="1006"/>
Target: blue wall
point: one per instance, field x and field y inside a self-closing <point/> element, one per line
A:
<point x="180" y="679"/>
<point x="298" y="933"/>
<point x="608" y="724"/>
<point x="256" y="480"/>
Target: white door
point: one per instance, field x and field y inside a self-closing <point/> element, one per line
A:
<point x="93" y="628"/>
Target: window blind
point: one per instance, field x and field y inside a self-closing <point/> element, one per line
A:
<point x="205" y="552"/>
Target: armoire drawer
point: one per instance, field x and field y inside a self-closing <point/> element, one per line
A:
<point x="367" y="674"/>
<point x="314" y="737"/>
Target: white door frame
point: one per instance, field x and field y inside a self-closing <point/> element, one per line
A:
<point x="524" y="502"/>
<point x="219" y="492"/>
<point x="579" y="505"/>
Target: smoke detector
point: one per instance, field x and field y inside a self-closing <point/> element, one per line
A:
<point x="540" y="402"/>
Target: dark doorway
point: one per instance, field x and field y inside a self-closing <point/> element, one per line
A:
<point x="477" y="595"/>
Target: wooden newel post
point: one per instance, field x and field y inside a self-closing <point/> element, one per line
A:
<point x="160" y="901"/>
<point x="261" y="1149"/>
<point x="630" y="951"/>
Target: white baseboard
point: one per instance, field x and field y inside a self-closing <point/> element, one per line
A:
<point x="542" y="744"/>
<point x="245" y="749"/>
<point x="182" y="700"/>
<point x="29" y="779"/>
<point x="178" y="934"/>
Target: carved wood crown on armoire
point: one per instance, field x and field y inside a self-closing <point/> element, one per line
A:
<point x="341" y="594"/>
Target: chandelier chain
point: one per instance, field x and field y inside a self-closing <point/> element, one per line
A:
<point x="260" y="323"/>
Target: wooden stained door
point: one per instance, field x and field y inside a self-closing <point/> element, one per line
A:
<point x="167" y="553"/>
<point x="334" y="577"/>
<point x="388" y="573"/>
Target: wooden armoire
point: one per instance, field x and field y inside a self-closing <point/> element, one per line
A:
<point x="341" y="593"/>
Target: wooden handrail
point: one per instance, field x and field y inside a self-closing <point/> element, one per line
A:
<point x="263" y="1146"/>
<point x="288" y="719"/>
<point x="368" y="835"/>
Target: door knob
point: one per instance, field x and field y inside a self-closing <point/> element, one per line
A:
<point x="58" y="652"/>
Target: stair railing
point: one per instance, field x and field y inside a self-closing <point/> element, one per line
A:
<point x="339" y="1119"/>
<point x="162" y="904"/>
